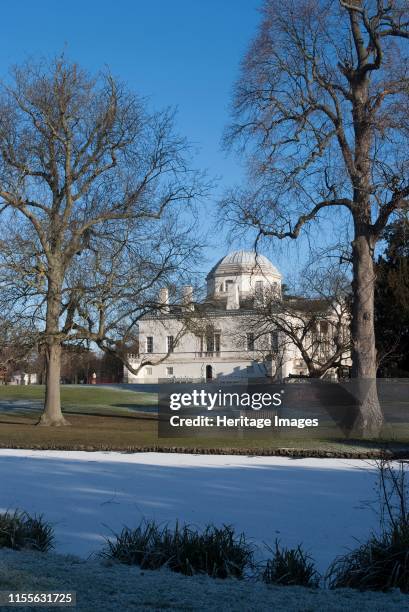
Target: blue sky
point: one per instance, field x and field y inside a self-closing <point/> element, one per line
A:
<point x="182" y="53"/>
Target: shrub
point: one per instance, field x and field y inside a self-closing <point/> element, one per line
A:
<point x="134" y="546"/>
<point x="289" y="567"/>
<point x="20" y="530"/>
<point x="217" y="552"/>
<point x="382" y="562"/>
<point x="379" y="564"/>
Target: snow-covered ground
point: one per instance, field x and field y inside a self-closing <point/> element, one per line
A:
<point x="322" y="503"/>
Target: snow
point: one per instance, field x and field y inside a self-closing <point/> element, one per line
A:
<point x="118" y="587"/>
<point x="325" y="504"/>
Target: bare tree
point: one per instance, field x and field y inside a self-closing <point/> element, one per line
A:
<point x="322" y="109"/>
<point x="110" y="299"/>
<point x="18" y="346"/>
<point x="82" y="161"/>
<point x="314" y="320"/>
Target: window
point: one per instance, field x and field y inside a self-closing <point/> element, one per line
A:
<point x="201" y="345"/>
<point x="148" y="371"/>
<point x="169" y="371"/>
<point x="212" y="340"/>
<point x="229" y="284"/>
<point x="209" y="339"/>
<point x="149" y="344"/>
<point x="324" y="328"/>
<point x="250" y="341"/>
<point x="259" y="293"/>
<point x="169" y="344"/>
<point x="274" y="341"/>
<point x="210" y="343"/>
<point x="314" y="329"/>
<point x="217" y="343"/>
<point x="250" y="369"/>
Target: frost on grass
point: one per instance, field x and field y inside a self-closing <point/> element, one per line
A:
<point x="105" y="588"/>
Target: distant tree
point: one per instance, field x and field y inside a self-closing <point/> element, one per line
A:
<point x="17" y="348"/>
<point x="76" y="362"/>
<point x="111" y="368"/>
<point x="322" y="110"/>
<point x="392" y="301"/>
<point x="84" y="168"/>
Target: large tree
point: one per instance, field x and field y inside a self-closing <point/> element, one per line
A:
<point x="85" y="169"/>
<point x="322" y="110"/>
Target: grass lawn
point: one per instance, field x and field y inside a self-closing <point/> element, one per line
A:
<point x="108" y="418"/>
<point x="78" y="398"/>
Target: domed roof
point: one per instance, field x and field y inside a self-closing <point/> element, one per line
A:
<point x="243" y="261"/>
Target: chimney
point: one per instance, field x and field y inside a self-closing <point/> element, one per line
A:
<point x="164" y="299"/>
<point x="187" y="297"/>
<point x="233" y="300"/>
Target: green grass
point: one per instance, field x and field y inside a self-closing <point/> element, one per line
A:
<point x="216" y="551"/>
<point x="77" y="399"/>
<point x="19" y="530"/>
<point x="105" y="418"/>
<point x="290" y="567"/>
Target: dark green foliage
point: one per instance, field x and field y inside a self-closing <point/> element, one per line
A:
<point x="20" y="530"/>
<point x="379" y="564"/>
<point x="382" y="562"/>
<point x="290" y="567"/>
<point x="392" y="302"/>
<point x="217" y="552"/>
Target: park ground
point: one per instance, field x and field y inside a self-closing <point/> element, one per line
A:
<point x="122" y="418"/>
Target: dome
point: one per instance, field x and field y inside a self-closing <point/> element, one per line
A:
<point x="239" y="262"/>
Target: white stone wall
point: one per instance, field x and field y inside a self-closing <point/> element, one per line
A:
<point x="234" y="361"/>
<point x="187" y="359"/>
<point x="246" y="283"/>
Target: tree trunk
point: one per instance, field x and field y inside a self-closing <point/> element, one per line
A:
<point x="52" y="414"/>
<point x="370" y="419"/>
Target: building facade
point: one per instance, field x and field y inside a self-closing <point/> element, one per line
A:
<point x="217" y="338"/>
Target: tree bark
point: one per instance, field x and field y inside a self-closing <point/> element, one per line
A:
<point x="52" y="414"/>
<point x="370" y="419"/>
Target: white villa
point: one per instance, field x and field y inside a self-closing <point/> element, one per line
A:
<point x="214" y="339"/>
